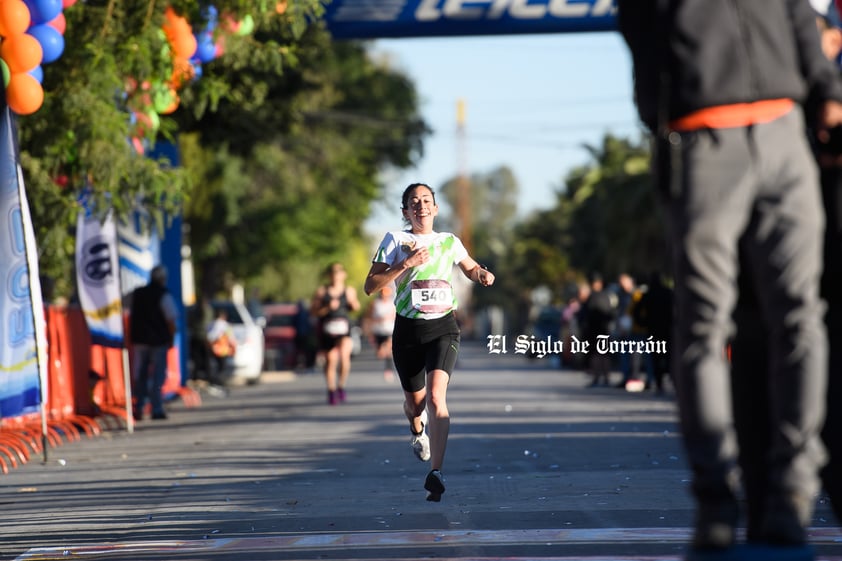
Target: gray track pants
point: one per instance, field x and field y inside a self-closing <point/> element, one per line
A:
<point x="756" y="186"/>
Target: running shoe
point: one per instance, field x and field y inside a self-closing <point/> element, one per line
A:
<point x="421" y="442"/>
<point x="434" y="484"/>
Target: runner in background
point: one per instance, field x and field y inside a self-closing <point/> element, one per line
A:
<point x="378" y="324"/>
<point x="332" y="305"/>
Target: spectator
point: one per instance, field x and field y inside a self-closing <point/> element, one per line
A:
<point x="223" y="345"/>
<point x="750" y="346"/>
<point x="198" y="319"/>
<point x="623" y="331"/>
<point x="737" y="177"/>
<point x="152" y="320"/>
<point x="600" y="314"/>
<point x="654" y="314"/>
<point x="305" y="348"/>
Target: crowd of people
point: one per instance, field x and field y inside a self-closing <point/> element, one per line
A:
<point x="623" y="310"/>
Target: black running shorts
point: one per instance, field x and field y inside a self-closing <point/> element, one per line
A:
<point x="423" y="345"/>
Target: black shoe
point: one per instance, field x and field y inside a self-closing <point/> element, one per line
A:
<point x="785" y="520"/>
<point x="716" y="525"/>
<point x="434" y="485"/>
<point x="159" y="416"/>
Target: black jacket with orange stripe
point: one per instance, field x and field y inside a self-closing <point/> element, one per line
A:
<point x="694" y="54"/>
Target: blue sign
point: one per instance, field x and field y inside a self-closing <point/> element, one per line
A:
<point x="371" y="19"/>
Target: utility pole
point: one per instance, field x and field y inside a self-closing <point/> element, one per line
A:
<point x="463" y="196"/>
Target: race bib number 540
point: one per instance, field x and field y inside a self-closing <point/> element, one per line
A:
<point x="432" y="296"/>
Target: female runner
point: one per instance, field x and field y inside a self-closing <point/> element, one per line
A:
<point x="425" y="341"/>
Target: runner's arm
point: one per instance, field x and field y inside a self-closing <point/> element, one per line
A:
<point x="476" y="272"/>
<point x="382" y="274"/>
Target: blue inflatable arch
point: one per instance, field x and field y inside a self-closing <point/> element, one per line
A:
<point x="372" y="19"/>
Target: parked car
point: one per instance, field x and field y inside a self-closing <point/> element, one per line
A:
<point x="280" y="335"/>
<point x="248" y="358"/>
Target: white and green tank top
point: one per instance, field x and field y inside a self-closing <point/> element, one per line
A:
<point x="426" y="291"/>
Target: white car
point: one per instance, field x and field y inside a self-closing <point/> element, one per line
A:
<point x="248" y="358"/>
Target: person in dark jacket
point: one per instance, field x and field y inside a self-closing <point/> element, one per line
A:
<point x="600" y="314"/>
<point x="653" y="314"/>
<point x="152" y="329"/>
<point x="720" y="84"/>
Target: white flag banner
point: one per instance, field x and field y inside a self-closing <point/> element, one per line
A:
<point x="98" y="277"/>
<point x="137" y="249"/>
<point x="23" y="337"/>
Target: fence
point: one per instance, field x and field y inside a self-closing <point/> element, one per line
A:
<point x="86" y="391"/>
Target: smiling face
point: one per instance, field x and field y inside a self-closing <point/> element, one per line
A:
<point x="420" y="209"/>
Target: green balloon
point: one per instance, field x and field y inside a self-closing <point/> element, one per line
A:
<point x="6" y="74"/>
<point x="162" y="97"/>
<point x="246" y="25"/>
<point x="155" y="119"/>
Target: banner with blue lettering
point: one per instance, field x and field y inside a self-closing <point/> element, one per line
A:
<point x="372" y="19"/>
<point x="98" y="277"/>
<point x="139" y="250"/>
<point x="23" y="342"/>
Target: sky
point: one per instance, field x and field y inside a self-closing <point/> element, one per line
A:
<point x="531" y="102"/>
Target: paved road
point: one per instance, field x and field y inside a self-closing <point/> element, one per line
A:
<point x="539" y="467"/>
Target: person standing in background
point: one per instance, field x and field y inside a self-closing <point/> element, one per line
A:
<point x="223" y="346"/>
<point x="623" y="327"/>
<point x="152" y="320"/>
<point x="600" y="315"/>
<point x="332" y="304"/>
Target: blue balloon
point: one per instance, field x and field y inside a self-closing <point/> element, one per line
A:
<point x="206" y="49"/>
<point x="212" y="15"/>
<point x="197" y="70"/>
<point x="37" y="73"/>
<point x="42" y="11"/>
<point x="52" y="43"/>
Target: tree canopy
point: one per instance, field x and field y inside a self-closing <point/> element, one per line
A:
<point x="272" y="134"/>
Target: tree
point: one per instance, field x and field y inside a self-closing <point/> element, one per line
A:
<point x="607" y="218"/>
<point x="492" y="209"/>
<point x="615" y="223"/>
<point x="115" y="56"/>
<point x="298" y="162"/>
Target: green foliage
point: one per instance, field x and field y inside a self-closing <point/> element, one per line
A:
<point x="607" y="219"/>
<point x="295" y="156"/>
<point x="289" y="133"/>
<point x="612" y="216"/>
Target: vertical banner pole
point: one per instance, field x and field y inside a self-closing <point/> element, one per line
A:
<point x="127" y="381"/>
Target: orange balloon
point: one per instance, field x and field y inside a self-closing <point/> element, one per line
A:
<point x="24" y="94"/>
<point x="184" y="45"/>
<point x="22" y="52"/>
<point x="175" y="25"/>
<point x="14" y="17"/>
<point x="281" y="7"/>
<point x="182" y="71"/>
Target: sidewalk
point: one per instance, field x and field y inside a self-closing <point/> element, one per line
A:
<point x="538" y="467"/>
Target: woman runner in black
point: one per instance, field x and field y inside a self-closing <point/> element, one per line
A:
<point x="425" y="341"/>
